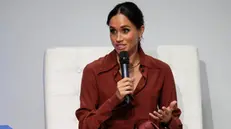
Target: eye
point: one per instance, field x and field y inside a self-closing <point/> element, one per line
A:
<point x="112" y="31"/>
<point x="126" y="30"/>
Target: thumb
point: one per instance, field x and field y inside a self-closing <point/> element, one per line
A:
<point x="173" y="105"/>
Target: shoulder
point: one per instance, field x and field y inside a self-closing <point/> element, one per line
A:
<point x="155" y="63"/>
<point x="160" y="65"/>
<point x="96" y="64"/>
<point x="103" y="63"/>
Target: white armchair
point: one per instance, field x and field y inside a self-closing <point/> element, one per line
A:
<point x="63" y="71"/>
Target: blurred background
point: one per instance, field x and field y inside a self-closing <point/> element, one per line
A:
<point x="29" y="27"/>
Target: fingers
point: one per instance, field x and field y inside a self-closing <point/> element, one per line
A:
<point x="159" y="114"/>
<point x="154" y="117"/>
<point x="167" y="111"/>
<point x="163" y="115"/>
<point x="124" y="87"/>
<point x="126" y="79"/>
<point x="173" y="105"/>
<point x="125" y="84"/>
<point x="127" y="88"/>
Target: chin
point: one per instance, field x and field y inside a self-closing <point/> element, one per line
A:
<point x="120" y="50"/>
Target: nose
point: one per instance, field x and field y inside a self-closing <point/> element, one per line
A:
<point x="119" y="37"/>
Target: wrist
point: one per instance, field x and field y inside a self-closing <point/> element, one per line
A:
<point x="166" y="124"/>
<point x="119" y="96"/>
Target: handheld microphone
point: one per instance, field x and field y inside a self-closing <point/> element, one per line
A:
<point x="124" y="64"/>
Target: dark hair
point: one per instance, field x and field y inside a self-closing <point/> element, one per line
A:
<point x="131" y="11"/>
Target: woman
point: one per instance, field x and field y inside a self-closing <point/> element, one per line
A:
<point x="150" y="82"/>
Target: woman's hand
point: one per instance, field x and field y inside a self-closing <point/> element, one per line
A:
<point x="165" y="114"/>
<point x="124" y="87"/>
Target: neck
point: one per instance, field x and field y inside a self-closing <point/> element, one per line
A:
<point x="134" y="58"/>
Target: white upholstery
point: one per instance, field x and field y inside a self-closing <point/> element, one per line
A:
<point x="63" y="72"/>
<point x="184" y="63"/>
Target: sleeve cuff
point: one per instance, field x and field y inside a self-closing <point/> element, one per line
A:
<point x="175" y="123"/>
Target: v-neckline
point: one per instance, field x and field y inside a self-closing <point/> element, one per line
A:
<point x="141" y="83"/>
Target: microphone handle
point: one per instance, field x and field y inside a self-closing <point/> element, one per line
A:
<point x="125" y="73"/>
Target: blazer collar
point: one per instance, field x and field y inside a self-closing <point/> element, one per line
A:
<point x="110" y="61"/>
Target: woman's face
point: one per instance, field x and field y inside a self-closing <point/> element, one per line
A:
<point x="123" y="34"/>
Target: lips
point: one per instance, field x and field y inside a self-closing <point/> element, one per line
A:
<point x="120" y="46"/>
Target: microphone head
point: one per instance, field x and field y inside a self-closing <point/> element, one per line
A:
<point x="124" y="58"/>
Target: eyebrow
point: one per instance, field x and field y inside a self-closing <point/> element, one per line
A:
<point x="123" y="26"/>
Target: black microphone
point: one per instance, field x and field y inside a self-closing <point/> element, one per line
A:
<point x="124" y="64"/>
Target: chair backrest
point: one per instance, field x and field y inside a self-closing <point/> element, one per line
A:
<point x="63" y="71"/>
<point x="184" y="63"/>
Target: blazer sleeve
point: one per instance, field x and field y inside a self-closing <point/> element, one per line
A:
<point x="168" y="94"/>
<point x="91" y="116"/>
